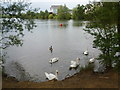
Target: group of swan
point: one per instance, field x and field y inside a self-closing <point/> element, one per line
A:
<point x="51" y="76"/>
<point x="74" y="64"/>
<point x="92" y="60"/>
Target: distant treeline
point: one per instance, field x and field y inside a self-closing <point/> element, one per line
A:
<point x="80" y="12"/>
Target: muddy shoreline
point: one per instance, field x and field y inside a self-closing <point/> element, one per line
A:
<point x="84" y="79"/>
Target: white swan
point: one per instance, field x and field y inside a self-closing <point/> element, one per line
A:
<point x="53" y="60"/>
<point x="75" y="63"/>
<point x="92" y="60"/>
<point x="86" y="52"/>
<point x="1" y="64"/>
<point x="51" y="76"/>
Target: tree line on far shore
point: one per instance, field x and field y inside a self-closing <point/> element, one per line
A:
<point x="63" y="13"/>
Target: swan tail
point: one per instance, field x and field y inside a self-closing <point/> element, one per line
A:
<point x="46" y="74"/>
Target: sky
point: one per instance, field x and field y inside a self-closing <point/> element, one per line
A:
<point x="45" y="4"/>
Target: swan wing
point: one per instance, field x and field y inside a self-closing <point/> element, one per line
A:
<point x="52" y="60"/>
<point x="73" y="62"/>
<point x="52" y="76"/>
<point x="47" y="75"/>
<point x="73" y="65"/>
<point x="56" y="59"/>
<point x="92" y="60"/>
<point x="86" y="52"/>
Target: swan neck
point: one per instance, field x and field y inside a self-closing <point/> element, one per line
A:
<point x="56" y="74"/>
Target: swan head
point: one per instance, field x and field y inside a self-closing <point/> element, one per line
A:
<point x="57" y="71"/>
<point x="78" y="59"/>
<point x="51" y="47"/>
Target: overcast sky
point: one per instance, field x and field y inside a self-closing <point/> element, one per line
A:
<point x="45" y="4"/>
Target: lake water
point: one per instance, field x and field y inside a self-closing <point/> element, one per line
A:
<point x="68" y="41"/>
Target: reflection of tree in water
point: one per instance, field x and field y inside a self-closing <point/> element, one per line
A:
<point x="20" y="69"/>
<point x="16" y="69"/>
<point x="78" y="23"/>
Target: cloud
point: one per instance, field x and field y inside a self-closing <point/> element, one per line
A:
<point x="59" y="0"/>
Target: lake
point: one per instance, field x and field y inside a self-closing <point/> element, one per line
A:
<point x="69" y="41"/>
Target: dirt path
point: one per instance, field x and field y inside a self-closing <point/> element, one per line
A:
<point x="84" y="79"/>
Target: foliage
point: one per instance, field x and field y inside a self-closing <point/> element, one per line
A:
<point x="46" y="14"/>
<point x="78" y="12"/>
<point x="43" y="15"/>
<point x="63" y="13"/>
<point x="105" y="31"/>
<point x="13" y="26"/>
<point x="89" y="12"/>
<point x="50" y="16"/>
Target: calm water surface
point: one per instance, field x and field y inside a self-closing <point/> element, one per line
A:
<point x="68" y="41"/>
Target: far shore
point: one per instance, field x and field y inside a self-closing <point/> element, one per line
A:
<point x="84" y="79"/>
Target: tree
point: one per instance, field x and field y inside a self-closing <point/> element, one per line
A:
<point x="42" y="15"/>
<point x="78" y="12"/>
<point x="103" y="28"/>
<point x="50" y="16"/>
<point x="88" y="11"/>
<point x="16" y="17"/>
<point x="46" y="14"/>
<point x="63" y="13"/>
